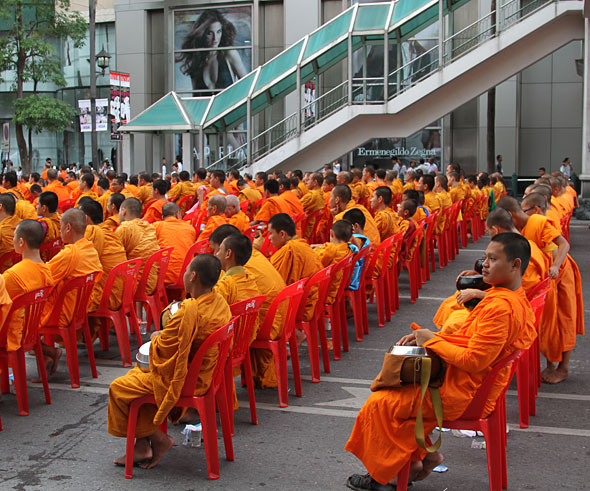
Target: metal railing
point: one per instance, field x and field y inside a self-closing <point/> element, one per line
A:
<point x="234" y="159"/>
<point x="370" y="90"/>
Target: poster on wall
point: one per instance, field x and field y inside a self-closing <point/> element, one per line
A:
<point x="101" y="108"/>
<point x="85" y="115"/>
<point x="212" y="48"/>
<point x="120" y="102"/>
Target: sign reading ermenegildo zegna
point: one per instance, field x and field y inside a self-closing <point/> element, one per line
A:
<point x="397" y="152"/>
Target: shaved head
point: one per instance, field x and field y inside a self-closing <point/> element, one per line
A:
<point x="535" y="199"/>
<point x="76" y="218"/>
<point x="170" y="210"/>
<point x="509" y="204"/>
<point x="31" y="231"/>
<point x="133" y="207"/>
<point x="232" y="200"/>
<point x="343" y="192"/>
<point x="208" y="269"/>
<point x="218" y="201"/>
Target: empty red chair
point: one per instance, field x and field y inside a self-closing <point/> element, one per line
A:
<point x="292" y="295"/>
<point x="49" y="250"/>
<point x="379" y="281"/>
<point x="30" y="307"/>
<point x="336" y="311"/>
<point x="413" y="264"/>
<point x="175" y="290"/>
<point x="358" y="297"/>
<point x="205" y="404"/>
<point x="315" y="328"/>
<point x="157" y="300"/>
<point x="492" y="426"/>
<point x="82" y="286"/>
<point x="246" y="314"/>
<point x="128" y="271"/>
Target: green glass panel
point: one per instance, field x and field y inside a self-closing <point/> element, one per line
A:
<point x="333" y="56"/>
<point x="419" y="22"/>
<point x="405" y="8"/>
<point x="165" y="112"/>
<point x="231" y="96"/>
<point x="371" y="17"/>
<point x="274" y="69"/>
<point x="196" y="108"/>
<point x="328" y="33"/>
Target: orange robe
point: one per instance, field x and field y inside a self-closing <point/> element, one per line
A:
<point x="383" y="435"/>
<point x="74" y="189"/>
<point x="139" y="240"/>
<point x="371" y="230"/>
<point x="182" y="189"/>
<point x="59" y="189"/>
<point x="154" y="212"/>
<point x="270" y="207"/>
<point x="329" y="254"/>
<point x="294" y="204"/>
<point x="387" y="223"/>
<point x="111" y="253"/>
<point x="179" y="234"/>
<point x="90" y="194"/>
<point x="74" y="260"/>
<point x="104" y="201"/>
<point x="16" y="191"/>
<point x="359" y="190"/>
<point x="249" y="194"/>
<point x="144" y="193"/>
<point x="5" y="301"/>
<point x="557" y="205"/>
<point x="432" y="202"/>
<point x="52" y="226"/>
<point x="241" y="221"/>
<point x="25" y="210"/>
<point x="312" y="201"/>
<point x="111" y="223"/>
<point x="24" y="277"/>
<point x="170" y="354"/>
<point x="212" y="224"/>
<point x="7" y="227"/>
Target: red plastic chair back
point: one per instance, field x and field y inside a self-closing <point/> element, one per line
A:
<point x="82" y="286"/>
<point x="299" y="218"/>
<point x="321" y="280"/>
<point x="65" y="205"/>
<point x="267" y="249"/>
<point x="244" y="205"/>
<point x="199" y="247"/>
<point x="222" y="339"/>
<point x="246" y="314"/>
<point x="8" y="260"/>
<point x="49" y="250"/>
<point x="186" y="203"/>
<point x="129" y="271"/>
<point x="146" y="205"/>
<point x="314" y="215"/>
<point x="545" y="283"/>
<point x="255" y="207"/>
<point x="477" y="405"/>
<point x="381" y="252"/>
<point x="363" y="253"/>
<point x="251" y="233"/>
<point x="345" y="266"/>
<point x="538" y="303"/>
<point x="32" y="304"/>
<point x="162" y="258"/>
<point x="293" y="294"/>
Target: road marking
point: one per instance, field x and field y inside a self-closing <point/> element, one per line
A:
<point x="340" y="380"/>
<point x="360" y="395"/>
<point x="433" y="299"/>
<point x="550" y="430"/>
<point x="551" y="395"/>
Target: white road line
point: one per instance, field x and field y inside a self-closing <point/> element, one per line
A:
<point x="433" y="299"/>
<point x="551" y="395"/>
<point x="340" y="380"/>
<point x="551" y="430"/>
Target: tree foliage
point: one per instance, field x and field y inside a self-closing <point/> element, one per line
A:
<point x="31" y="30"/>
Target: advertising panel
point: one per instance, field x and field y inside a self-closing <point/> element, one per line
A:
<point x="120" y="102"/>
<point x="102" y="109"/>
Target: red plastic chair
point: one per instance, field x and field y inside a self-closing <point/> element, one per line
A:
<point x="452" y="232"/>
<point x="154" y="303"/>
<point x="292" y="294"/>
<point x="8" y="260"/>
<point x="186" y="203"/>
<point x="336" y="311"/>
<point x="492" y="426"/>
<point x="174" y="290"/>
<point x="49" y="250"/>
<point x="267" y="249"/>
<point x="315" y="216"/>
<point x="467" y="213"/>
<point x="30" y="307"/>
<point x="358" y="297"/>
<point x="146" y="205"/>
<point x="205" y="404"/>
<point x="413" y="265"/>
<point x="429" y="222"/>
<point x="251" y="233"/>
<point x="244" y="205"/>
<point x="255" y="207"/>
<point x="442" y="242"/>
<point x="129" y="272"/>
<point x="392" y="276"/>
<point x="82" y="287"/>
<point x="545" y="283"/>
<point x="381" y="254"/>
<point x="246" y="314"/>
<point x="65" y="205"/>
<point x="315" y="328"/>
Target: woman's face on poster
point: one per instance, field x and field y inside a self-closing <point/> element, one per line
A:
<point x="213" y="35"/>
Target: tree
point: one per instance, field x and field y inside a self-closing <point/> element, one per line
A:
<point x="27" y="48"/>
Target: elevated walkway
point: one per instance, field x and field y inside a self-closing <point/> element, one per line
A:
<point x="460" y="66"/>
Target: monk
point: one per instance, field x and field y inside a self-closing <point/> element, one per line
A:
<point x="247" y="193"/>
<point x="25" y="276"/>
<point x="215" y="215"/>
<point x="154" y="212"/>
<point x="360" y="191"/>
<point x="406" y="211"/>
<point x="118" y="185"/>
<point x="144" y="193"/>
<point x="217" y="182"/>
<point x="272" y="205"/>
<point x="431" y="200"/>
<point x="314" y="200"/>
<point x="171" y="352"/>
<point x="235" y="215"/>
<point x="71" y="183"/>
<point x="369" y="178"/>
<point x="183" y="188"/>
<point x="138" y="238"/>
<point x="562" y="317"/>
<point x="10" y="184"/>
<point x="86" y="184"/>
<point x="176" y="233"/>
<point x="8" y="223"/>
<point x="49" y="216"/>
<point x="55" y="186"/>
<point x="294" y="206"/>
<point x="341" y="201"/>
<point x="411" y="180"/>
<point x="77" y="258"/>
<point x="385" y="218"/>
<point x="383" y="435"/>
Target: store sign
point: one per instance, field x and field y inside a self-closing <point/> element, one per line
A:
<point x="411" y="152"/>
<point x="120" y="102"/>
<point x="101" y="107"/>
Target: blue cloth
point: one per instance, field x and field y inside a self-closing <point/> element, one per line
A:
<point x="355" y="279"/>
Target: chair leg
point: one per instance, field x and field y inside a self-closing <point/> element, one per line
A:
<point x="209" y="424"/>
<point x="279" y="351"/>
<point x="90" y="349"/>
<point x="335" y="323"/>
<point x="247" y="369"/>
<point x="71" y="356"/>
<point x="295" y="364"/>
<point x="42" y="370"/>
<point x="134" y="326"/>
<point x="19" y="371"/>
<point x="4" y="381"/>
<point x="103" y="334"/>
<point x="313" y="349"/>
<point x="130" y="444"/>
<point x="229" y="387"/>
<point x="324" y="344"/>
<point x="226" y="426"/>
<point x="403" y="477"/>
<point x="522" y="381"/>
<point x="357" y="312"/>
<point x="343" y="325"/>
<point x="378" y="286"/>
<point x="122" y="338"/>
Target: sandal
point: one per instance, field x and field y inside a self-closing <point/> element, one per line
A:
<point x="366" y="482"/>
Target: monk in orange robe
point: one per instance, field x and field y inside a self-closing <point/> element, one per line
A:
<point x="294" y="206"/>
<point x="10" y="184"/>
<point x="183" y="188"/>
<point x="49" y="217"/>
<point x="269" y="283"/>
<point x="25" y="276"/>
<point x="176" y="233"/>
<point x="111" y="222"/>
<point x="562" y="317"/>
<point x="341" y="201"/>
<point x="247" y="193"/>
<point x="86" y="185"/>
<point x="144" y="193"/>
<point x="235" y="215"/>
<point x="386" y="219"/>
<point x="8" y="222"/>
<point x="5" y="301"/>
<point x="72" y="184"/>
<point x="383" y="436"/>
<point x="314" y="200"/>
<point x="369" y="178"/>
<point x="104" y="193"/>
<point x="171" y="352"/>
<point x="77" y="258"/>
<point x="154" y="212"/>
<point x="272" y="204"/>
<point x="138" y="237"/>
<point x="55" y="186"/>
<point x="215" y="215"/>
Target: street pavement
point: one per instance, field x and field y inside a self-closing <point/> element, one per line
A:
<point x="65" y="446"/>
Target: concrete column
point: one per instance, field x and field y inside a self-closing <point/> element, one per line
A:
<point x="585" y="175"/>
<point x="187" y="150"/>
<point x="125" y="158"/>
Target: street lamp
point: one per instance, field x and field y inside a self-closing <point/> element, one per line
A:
<point x="103" y="60"/>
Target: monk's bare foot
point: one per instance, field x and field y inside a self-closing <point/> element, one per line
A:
<point x="300" y="336"/>
<point x="142" y="452"/>
<point x="428" y="464"/>
<point x="556" y="376"/>
<point x="161" y="443"/>
<point x="189" y="415"/>
<point x="48" y="363"/>
<point x="548" y="371"/>
<point x="55" y="360"/>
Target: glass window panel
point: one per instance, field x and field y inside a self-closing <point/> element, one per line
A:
<point x="162" y="113"/>
<point x="371" y="17"/>
<point x="328" y="33"/>
<point x="230" y="96"/>
<point x="275" y="68"/>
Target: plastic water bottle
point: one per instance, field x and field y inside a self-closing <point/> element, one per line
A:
<point x="191" y="440"/>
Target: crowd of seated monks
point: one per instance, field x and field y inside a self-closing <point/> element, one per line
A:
<point x="265" y="234"/>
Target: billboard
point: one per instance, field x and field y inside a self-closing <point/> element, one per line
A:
<point x="212" y="48"/>
<point x="101" y="107"/>
<point x="120" y="102"/>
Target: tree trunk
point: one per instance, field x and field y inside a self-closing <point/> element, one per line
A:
<point x="25" y="157"/>
<point x="491" y="131"/>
